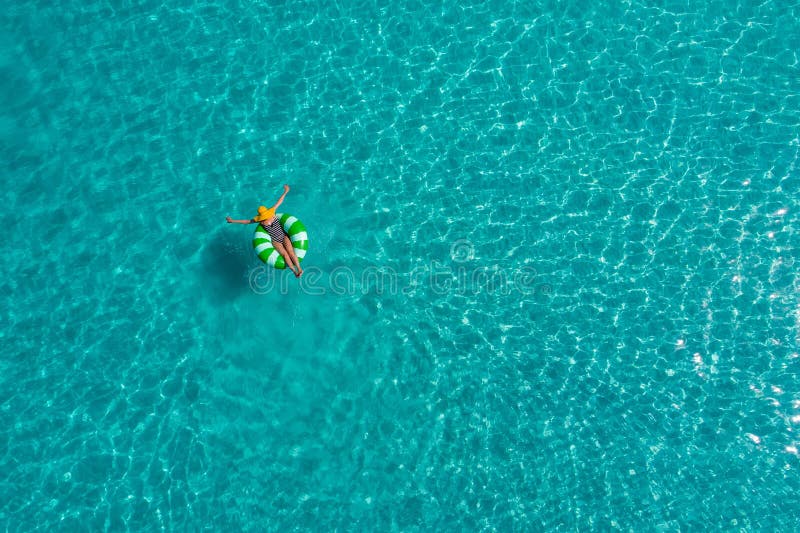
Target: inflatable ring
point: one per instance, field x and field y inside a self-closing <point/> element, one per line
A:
<point x="296" y="232"/>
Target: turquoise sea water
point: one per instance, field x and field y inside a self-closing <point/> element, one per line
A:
<point x="551" y="285"/>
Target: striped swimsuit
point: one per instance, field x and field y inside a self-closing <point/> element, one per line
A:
<point x="275" y="230"/>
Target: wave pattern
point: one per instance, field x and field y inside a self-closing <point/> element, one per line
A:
<point x="582" y="221"/>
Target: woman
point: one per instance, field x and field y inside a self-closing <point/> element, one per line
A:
<point x="271" y="223"/>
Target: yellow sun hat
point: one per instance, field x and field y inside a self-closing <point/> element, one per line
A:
<point x="264" y="214"/>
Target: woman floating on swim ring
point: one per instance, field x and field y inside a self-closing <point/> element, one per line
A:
<point x="271" y="223"/>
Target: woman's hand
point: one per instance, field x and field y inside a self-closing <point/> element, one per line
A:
<point x="229" y="219"/>
<point x="285" y="188"/>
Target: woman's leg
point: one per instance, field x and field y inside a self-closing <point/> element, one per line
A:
<point x="286" y="257"/>
<point x="290" y="249"/>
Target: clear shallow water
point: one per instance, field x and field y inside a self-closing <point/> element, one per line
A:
<point x="630" y="171"/>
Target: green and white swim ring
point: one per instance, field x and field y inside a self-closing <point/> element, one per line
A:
<point x="296" y="232"/>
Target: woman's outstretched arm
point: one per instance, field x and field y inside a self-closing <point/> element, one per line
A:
<point x="231" y="221"/>
<point x="280" y="200"/>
